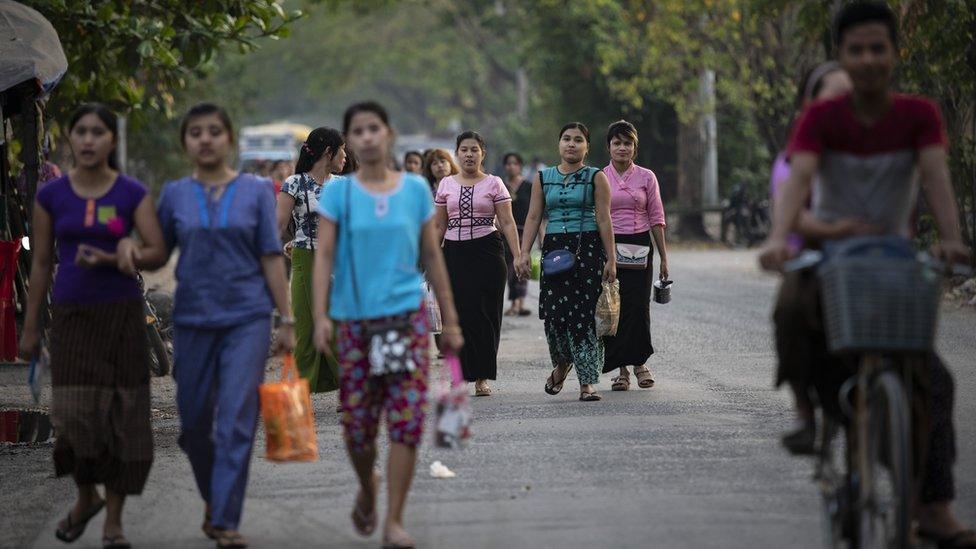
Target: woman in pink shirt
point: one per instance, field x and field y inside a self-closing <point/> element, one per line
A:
<point x="637" y="214"/>
<point x="467" y="205"/>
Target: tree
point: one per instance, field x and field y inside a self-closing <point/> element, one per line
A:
<point x="134" y="55"/>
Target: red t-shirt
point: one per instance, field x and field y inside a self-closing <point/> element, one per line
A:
<point x="868" y="172"/>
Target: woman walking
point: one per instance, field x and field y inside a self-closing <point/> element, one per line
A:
<point x="322" y="154"/>
<point x="380" y="294"/>
<point x="521" y="191"/>
<point x="230" y="276"/>
<point x="98" y="345"/>
<point x="576" y="201"/>
<point x="438" y="164"/>
<point x="467" y="206"/>
<point x="637" y="214"/>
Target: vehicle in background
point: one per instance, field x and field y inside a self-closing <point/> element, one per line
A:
<point x="262" y="145"/>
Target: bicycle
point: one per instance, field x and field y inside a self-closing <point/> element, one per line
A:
<point x="880" y="302"/>
<point x="158" y="333"/>
<point x="744" y="221"/>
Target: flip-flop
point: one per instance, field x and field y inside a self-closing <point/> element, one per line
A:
<point x="552" y="387"/>
<point x="117" y="541"/>
<point x="482" y="391"/>
<point x="590" y="397"/>
<point x="644" y="379"/>
<point x="620" y="383"/>
<point x="399" y="544"/>
<point x="70" y="532"/>
<point x="230" y="538"/>
<point x="207" y="526"/>
<point x="362" y="521"/>
<point x="524" y="312"/>
<point x="963" y="539"/>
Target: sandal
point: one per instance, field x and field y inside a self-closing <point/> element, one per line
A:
<point x="117" y="541"/>
<point x="230" y="538"/>
<point x="69" y="532"/>
<point x="592" y="396"/>
<point x="524" y="312"/>
<point x="620" y="383"/>
<point x="482" y="390"/>
<point x="364" y="522"/>
<point x="644" y="379"/>
<point x="207" y="526"/>
<point x="552" y="387"/>
<point x="402" y="543"/>
<point x="963" y="539"/>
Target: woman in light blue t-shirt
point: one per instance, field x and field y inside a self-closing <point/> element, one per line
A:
<point x="376" y="226"/>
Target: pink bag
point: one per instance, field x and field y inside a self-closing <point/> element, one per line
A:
<point x="453" y="407"/>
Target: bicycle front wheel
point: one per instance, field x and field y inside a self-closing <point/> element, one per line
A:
<point x="884" y="515"/>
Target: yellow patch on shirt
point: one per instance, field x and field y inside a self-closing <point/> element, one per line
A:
<point x="106" y="214"/>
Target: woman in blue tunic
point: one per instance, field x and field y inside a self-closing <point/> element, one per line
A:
<point x="576" y="200"/>
<point x="230" y="276"/>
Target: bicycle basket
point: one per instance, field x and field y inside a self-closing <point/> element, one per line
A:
<point x="879" y="304"/>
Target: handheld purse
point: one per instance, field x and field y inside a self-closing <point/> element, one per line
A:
<point x="632" y="256"/>
<point x="389" y="339"/>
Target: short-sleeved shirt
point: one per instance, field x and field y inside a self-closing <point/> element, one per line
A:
<point x="521" y="199"/>
<point x="470" y="209"/>
<point x="99" y="222"/>
<point x="220" y="281"/>
<point x="570" y="200"/>
<point x="378" y="243"/>
<point x="306" y="192"/>
<point x="868" y="172"/>
<point x="635" y="200"/>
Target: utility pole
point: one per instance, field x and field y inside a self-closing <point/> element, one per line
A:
<point x="708" y="130"/>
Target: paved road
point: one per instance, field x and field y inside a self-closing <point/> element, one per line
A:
<point x="693" y="462"/>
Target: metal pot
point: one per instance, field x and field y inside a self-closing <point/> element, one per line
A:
<point x="662" y="291"/>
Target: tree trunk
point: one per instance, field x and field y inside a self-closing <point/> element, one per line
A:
<point x="690" y="158"/>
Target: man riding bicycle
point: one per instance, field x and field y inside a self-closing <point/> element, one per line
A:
<point x="866" y="148"/>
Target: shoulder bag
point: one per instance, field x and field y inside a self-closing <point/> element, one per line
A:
<point x="563" y="261"/>
<point x="388" y="339"/>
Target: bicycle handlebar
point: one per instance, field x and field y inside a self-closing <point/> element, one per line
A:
<point x="812" y="258"/>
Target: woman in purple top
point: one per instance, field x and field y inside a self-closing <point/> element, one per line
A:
<point x="467" y="206"/>
<point x="638" y="215"/>
<point x="98" y="345"/>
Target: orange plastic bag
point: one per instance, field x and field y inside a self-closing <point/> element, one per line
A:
<point x="288" y="418"/>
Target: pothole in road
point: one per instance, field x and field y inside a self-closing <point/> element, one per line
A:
<point x="25" y="426"/>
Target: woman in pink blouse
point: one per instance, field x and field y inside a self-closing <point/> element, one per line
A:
<point x="638" y="214"/>
<point x="467" y="205"/>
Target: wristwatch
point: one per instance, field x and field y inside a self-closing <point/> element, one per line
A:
<point x="286" y="321"/>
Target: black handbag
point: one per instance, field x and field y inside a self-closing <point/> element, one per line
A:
<point x="388" y="339"/>
<point x="563" y="261"/>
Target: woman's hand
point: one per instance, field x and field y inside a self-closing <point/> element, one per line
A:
<point x="663" y="270"/>
<point x="522" y="268"/>
<point x="89" y="256"/>
<point x="451" y="340"/>
<point x="285" y="339"/>
<point x="323" y="335"/>
<point x="127" y="253"/>
<point x="610" y="271"/>
<point x="30" y="343"/>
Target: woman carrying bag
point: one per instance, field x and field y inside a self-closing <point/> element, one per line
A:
<point x="638" y="214"/>
<point x="578" y="256"/>
<point x="375" y="230"/>
<point x="322" y="154"/>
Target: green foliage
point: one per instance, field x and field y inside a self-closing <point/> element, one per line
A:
<point x="134" y="55"/>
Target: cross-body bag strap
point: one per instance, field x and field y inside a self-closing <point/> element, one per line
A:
<point x="579" y="243"/>
<point x="308" y="215"/>
<point x="352" y="257"/>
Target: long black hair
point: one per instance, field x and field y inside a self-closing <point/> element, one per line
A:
<point x="316" y="144"/>
<point x="108" y="117"/>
